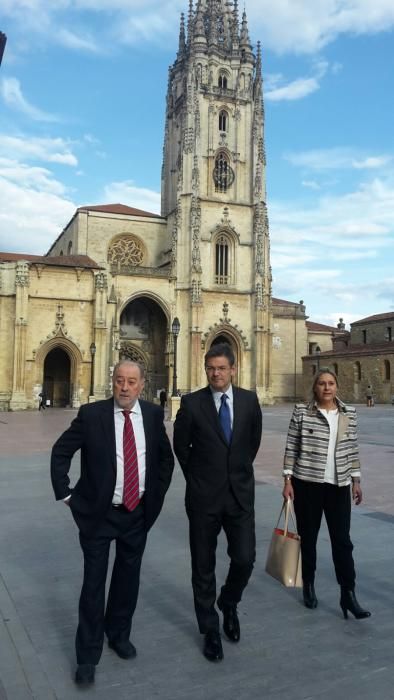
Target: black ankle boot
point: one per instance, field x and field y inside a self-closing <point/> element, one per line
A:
<point x="310" y="600"/>
<point x="349" y="602"/>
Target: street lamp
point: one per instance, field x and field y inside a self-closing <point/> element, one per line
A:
<point x="175" y="328"/>
<point x="92" y="352"/>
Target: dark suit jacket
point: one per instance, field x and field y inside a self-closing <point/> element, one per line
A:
<point x="209" y="464"/>
<point x="93" y="432"/>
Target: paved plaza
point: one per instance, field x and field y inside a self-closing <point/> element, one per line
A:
<point x="286" y="651"/>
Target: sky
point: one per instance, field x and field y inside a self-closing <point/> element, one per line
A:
<point x="82" y="105"/>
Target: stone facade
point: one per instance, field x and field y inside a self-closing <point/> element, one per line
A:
<point x="115" y="279"/>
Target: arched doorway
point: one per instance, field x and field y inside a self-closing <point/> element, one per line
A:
<point x="143" y="337"/>
<point x="56" y="382"/>
<point x="226" y="338"/>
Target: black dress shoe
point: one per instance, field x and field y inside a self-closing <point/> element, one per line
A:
<point x="213" y="646"/>
<point x="126" y="650"/>
<point x="230" y="621"/>
<point x="85" y="674"/>
<point x="310" y="600"/>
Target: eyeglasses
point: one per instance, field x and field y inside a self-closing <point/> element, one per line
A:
<point x="217" y="369"/>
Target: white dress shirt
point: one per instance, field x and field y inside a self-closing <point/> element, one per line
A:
<point x="139" y="434"/>
<point x="217" y="397"/>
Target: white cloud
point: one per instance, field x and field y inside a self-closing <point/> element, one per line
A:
<point x="32" y="209"/>
<point x="311" y="184"/>
<point x="338" y="158"/>
<point x="11" y="93"/>
<point x="78" y="43"/>
<point x="293" y="91"/>
<point x="295" y="26"/>
<point x="43" y="149"/>
<point x="138" y="197"/>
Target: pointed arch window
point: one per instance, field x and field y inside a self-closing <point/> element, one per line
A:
<point x="223" y="174"/>
<point x="223" y="120"/>
<point x="222" y="83"/>
<point x="222" y="259"/>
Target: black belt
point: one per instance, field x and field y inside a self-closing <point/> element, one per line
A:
<point x="122" y="508"/>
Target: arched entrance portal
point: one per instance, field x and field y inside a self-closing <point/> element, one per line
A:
<point x="143" y="337"/>
<point x="224" y="338"/>
<point x="56" y="383"/>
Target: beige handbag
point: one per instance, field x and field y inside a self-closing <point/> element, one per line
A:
<point x="284" y="555"/>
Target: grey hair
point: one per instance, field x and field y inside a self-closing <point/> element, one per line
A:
<point x="133" y="363"/>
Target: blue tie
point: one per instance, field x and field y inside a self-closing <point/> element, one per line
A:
<point x="225" y="418"/>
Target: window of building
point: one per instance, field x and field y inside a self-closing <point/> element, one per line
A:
<point x="357" y="371"/>
<point x="388" y="335"/>
<point x="70" y="248"/>
<point x="223" y="260"/>
<point x="335" y="368"/>
<point x="223" y="120"/>
<point x="222" y="82"/>
<point x="364" y="337"/>
<point x="223" y="174"/>
<point x="386" y="370"/>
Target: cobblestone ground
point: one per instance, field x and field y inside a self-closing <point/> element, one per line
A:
<point x="286" y="651"/>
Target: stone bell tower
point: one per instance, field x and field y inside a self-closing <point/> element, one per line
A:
<point x="214" y="195"/>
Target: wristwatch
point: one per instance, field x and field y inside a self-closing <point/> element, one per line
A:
<point x="287" y="477"/>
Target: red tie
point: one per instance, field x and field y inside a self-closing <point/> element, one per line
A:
<point x="131" y="487"/>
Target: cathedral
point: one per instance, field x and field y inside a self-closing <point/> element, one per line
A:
<point x="161" y="289"/>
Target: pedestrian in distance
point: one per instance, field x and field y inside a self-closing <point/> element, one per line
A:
<point x="126" y="469"/>
<point x="42" y="401"/>
<point x="322" y="475"/>
<point x="217" y="434"/>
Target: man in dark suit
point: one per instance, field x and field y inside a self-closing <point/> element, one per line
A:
<point x="217" y="433"/>
<point x="126" y="469"/>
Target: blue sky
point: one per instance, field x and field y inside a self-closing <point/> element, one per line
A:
<point x="82" y="99"/>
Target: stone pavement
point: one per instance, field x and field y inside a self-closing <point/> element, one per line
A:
<point x="286" y="651"/>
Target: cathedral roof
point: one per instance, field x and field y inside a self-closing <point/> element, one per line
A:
<point x="119" y="209"/>
<point x="59" y="260"/>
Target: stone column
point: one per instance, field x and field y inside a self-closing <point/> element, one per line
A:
<point x="18" y="398"/>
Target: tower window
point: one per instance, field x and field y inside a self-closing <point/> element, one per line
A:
<point x="364" y="337"/>
<point x="222" y="259"/>
<point x="223" y="120"/>
<point x="223" y="174"/>
<point x="222" y="82"/>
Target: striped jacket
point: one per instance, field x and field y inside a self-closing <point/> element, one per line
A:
<point x="307" y="444"/>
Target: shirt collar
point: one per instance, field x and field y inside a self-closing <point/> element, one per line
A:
<point x="136" y="408"/>
<point x="217" y="395"/>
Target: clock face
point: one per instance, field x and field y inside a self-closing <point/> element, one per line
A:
<point x="223" y="175"/>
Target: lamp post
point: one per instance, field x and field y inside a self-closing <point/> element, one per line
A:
<point x="175" y="328"/>
<point x="92" y="353"/>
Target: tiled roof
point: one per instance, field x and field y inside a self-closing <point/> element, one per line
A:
<point x="376" y="317"/>
<point x="119" y="209"/>
<point x="312" y="326"/>
<point x="59" y="260"/>
<point x="356" y="350"/>
<point x="281" y="302"/>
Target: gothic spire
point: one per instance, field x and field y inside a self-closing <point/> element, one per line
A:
<point x="244" y="41"/>
<point x="182" y="38"/>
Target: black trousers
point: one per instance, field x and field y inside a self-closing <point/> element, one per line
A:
<point x="204" y="529"/>
<point x="311" y="500"/>
<point x="128" y="531"/>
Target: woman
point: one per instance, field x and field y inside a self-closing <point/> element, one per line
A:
<point x="321" y="466"/>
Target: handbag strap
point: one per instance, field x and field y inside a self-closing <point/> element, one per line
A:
<point x="288" y="509"/>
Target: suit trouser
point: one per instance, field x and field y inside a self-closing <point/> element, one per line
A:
<point x="311" y="500"/>
<point x="128" y="531"/>
<point x="204" y="529"/>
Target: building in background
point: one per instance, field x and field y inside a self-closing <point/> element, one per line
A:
<point x="117" y="278"/>
<point x="362" y="357"/>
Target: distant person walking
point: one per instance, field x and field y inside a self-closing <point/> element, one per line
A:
<point x="163" y="398"/>
<point x="43" y="401"/>
<point x="369" y="396"/>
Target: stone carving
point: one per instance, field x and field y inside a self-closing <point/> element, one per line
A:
<point x="259" y="296"/>
<point x="22" y="274"/>
<point x="101" y="281"/>
<point x="126" y="251"/>
<point x="130" y="352"/>
<point x="196" y="292"/>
